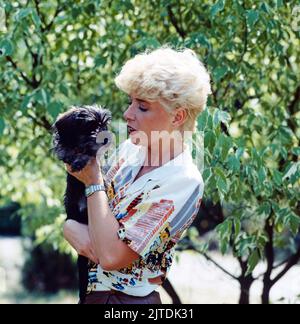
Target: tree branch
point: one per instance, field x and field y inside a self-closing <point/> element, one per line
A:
<point x="174" y="22"/>
<point x="24" y="77"/>
<point x="36" y="60"/>
<point x="57" y="12"/>
<point x="37" y="4"/>
<point x="219" y="266"/>
<point x="42" y="123"/>
<point x="269" y="250"/>
<point x="27" y="44"/>
<point x="292" y="261"/>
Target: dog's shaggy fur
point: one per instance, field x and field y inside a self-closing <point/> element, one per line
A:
<point x="76" y="141"/>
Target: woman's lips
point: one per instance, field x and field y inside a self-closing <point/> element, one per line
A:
<point x="131" y="129"/>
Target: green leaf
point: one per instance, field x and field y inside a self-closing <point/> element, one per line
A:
<point x="252" y="17"/>
<point x="25" y="103"/>
<point x="239" y="153"/>
<point x="292" y="170"/>
<point x="64" y="90"/>
<point x="90" y="9"/>
<point x="221" y="116"/>
<point x="265" y="8"/>
<point x="75" y="12"/>
<point x="43" y="97"/>
<point x="55" y="108"/>
<point x="237" y="226"/>
<point x="210" y="140"/>
<point x="294" y="223"/>
<point x="233" y="163"/>
<point x="252" y="262"/>
<point x="224" y="143"/>
<point x="224" y="247"/>
<point x="202" y="120"/>
<point x="220" y="72"/>
<point x="23" y="13"/>
<point x="202" y="40"/>
<point x="2" y="126"/>
<point x="36" y="19"/>
<point x="146" y="42"/>
<point x="222" y="185"/>
<point x="217" y="7"/>
<point x="285" y="134"/>
<point x="100" y="61"/>
<point x="282" y="217"/>
<point x="206" y="174"/>
<point x="296" y="151"/>
<point x="6" y="47"/>
<point x="224" y="231"/>
<point x="243" y="245"/>
<point x="262" y="175"/>
<point x="265" y="209"/>
<point x="277" y="178"/>
<point x="219" y="172"/>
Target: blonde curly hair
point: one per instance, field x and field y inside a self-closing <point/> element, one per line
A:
<point x="175" y="78"/>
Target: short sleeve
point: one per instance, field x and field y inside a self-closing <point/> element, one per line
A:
<point x="158" y="217"/>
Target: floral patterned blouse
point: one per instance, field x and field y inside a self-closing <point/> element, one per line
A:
<point x="153" y="212"/>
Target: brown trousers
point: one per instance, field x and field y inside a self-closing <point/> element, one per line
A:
<point x="116" y="297"/>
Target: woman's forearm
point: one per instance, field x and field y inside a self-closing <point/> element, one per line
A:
<point x="113" y="253"/>
<point x="103" y="228"/>
<point x="77" y="235"/>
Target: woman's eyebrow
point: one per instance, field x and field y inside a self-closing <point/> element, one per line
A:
<point x="143" y="101"/>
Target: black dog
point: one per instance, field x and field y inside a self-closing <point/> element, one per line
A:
<point x="79" y="135"/>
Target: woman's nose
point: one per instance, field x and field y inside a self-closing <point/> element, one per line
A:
<point x="128" y="114"/>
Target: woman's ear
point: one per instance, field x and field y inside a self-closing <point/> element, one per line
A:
<point x="179" y="117"/>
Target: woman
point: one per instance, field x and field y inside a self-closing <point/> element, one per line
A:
<point x="154" y="189"/>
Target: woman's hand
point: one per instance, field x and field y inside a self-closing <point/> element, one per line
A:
<point x="78" y="236"/>
<point x="90" y="174"/>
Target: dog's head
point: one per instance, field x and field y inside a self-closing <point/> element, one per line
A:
<point x="75" y="134"/>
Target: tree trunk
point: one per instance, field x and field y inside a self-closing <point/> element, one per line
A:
<point x="171" y="291"/>
<point x="246" y="283"/>
<point x="265" y="297"/>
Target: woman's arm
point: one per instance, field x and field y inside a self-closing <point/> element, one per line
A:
<point x="112" y="253"/>
<point x="103" y="227"/>
<point x="78" y="237"/>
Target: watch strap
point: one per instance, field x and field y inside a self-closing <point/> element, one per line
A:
<point x="93" y="188"/>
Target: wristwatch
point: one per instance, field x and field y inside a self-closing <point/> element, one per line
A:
<point x="93" y="188"/>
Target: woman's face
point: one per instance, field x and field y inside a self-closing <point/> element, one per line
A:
<point x="143" y="118"/>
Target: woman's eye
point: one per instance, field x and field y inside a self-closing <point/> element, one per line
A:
<point x="142" y="109"/>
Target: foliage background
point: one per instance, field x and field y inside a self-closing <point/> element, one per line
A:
<point x="57" y="53"/>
